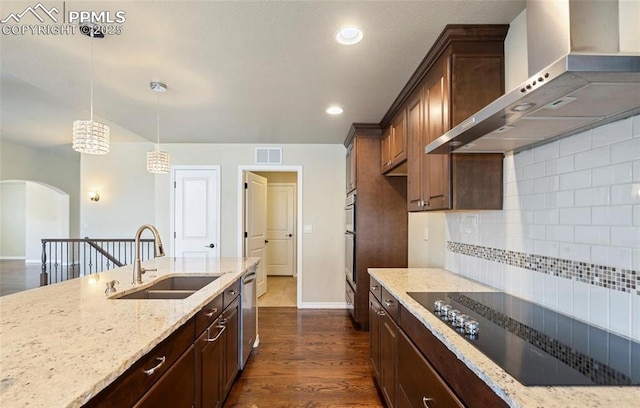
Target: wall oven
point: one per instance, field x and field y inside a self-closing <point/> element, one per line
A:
<point x="350" y="239"/>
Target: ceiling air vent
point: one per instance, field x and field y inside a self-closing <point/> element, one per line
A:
<point x="268" y="155"/>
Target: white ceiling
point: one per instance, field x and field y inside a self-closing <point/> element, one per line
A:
<point x="237" y="72"/>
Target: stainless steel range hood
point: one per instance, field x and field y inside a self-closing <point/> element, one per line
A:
<point x="584" y="71"/>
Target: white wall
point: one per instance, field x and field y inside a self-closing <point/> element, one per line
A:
<point x="58" y="167"/>
<point x="46" y="215"/>
<point x="426" y="240"/>
<point x="576" y="200"/>
<point x="12" y="219"/>
<point x="132" y="197"/>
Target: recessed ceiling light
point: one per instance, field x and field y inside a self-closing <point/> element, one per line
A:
<point x="334" y="110"/>
<point x="349" y="36"/>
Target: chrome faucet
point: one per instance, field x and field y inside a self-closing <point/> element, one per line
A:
<point x="138" y="270"/>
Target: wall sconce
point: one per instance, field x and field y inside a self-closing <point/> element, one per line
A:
<point x="94" y="196"/>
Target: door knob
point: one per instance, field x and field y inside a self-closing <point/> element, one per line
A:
<point x="210" y="246"/>
<point x="290" y="235"/>
<point x="266" y="241"/>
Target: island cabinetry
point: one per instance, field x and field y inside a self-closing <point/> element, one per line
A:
<point x="380" y="234"/>
<point x="383" y="338"/>
<point x="128" y="389"/>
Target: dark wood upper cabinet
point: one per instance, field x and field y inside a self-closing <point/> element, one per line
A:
<point x="393" y="148"/>
<point x="462" y="73"/>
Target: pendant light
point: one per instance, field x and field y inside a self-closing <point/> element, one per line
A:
<point x="157" y="160"/>
<point x="90" y="136"/>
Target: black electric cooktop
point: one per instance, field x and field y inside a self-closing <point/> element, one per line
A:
<point x="538" y="346"/>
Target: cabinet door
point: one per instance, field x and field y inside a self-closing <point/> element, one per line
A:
<point x="437" y="183"/>
<point x="231" y="339"/>
<point x="375" y="311"/>
<point x="176" y="387"/>
<point x="209" y="366"/>
<point x="385" y="151"/>
<point x="398" y="151"/>
<point x="421" y="386"/>
<point x="351" y="166"/>
<point x="388" y="357"/>
<point x="415" y="153"/>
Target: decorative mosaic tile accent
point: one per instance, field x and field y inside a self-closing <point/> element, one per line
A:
<point x="597" y="371"/>
<point x="624" y="280"/>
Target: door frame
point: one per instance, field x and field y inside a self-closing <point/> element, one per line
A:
<point x="172" y="220"/>
<point x="290" y="169"/>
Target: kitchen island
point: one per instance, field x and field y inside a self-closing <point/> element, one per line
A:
<point x="62" y="344"/>
<point x="400" y="281"/>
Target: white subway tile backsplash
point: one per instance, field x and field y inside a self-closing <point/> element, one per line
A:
<point x="625" y="194"/>
<point x="559" y="199"/>
<point x="626" y="151"/>
<point x="593" y="158"/>
<point x="551" y="291"/>
<point x="578" y="143"/>
<point x="535" y="232"/>
<point x="599" y="306"/>
<point x="611" y="215"/>
<point x="546" y="216"/>
<point x="575" y="216"/>
<point x="546" y="152"/>
<point x="615" y="174"/>
<point x="612" y="133"/>
<point x="592" y="235"/>
<point x="625" y="236"/>
<point x="593" y="196"/>
<point x="533" y="201"/>
<point x="532" y="171"/>
<point x="636" y="215"/>
<point x="581" y="300"/>
<point x="636" y="170"/>
<point x="559" y="165"/>
<point x="636" y="126"/>
<point x="525" y="187"/>
<point x="619" y="316"/>
<point x="611" y="256"/>
<point x="546" y="248"/>
<point x="523" y="158"/>
<point x="574" y="252"/>
<point x="559" y="233"/>
<point x="575" y="180"/>
<point x="635" y="317"/>
<point x="565" y="296"/>
<point x="546" y="184"/>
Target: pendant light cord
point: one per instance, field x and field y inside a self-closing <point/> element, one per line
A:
<point x="91" y="76"/>
<point x="158" y="144"/>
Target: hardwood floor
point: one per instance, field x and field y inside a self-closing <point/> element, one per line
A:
<point x="306" y="358"/>
<point x="17" y="276"/>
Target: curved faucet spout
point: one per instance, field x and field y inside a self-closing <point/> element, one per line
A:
<point x="138" y="270"/>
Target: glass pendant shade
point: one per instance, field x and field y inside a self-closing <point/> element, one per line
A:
<point x="158" y="162"/>
<point x="90" y="137"/>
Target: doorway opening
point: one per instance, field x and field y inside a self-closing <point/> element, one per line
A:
<point x="277" y="240"/>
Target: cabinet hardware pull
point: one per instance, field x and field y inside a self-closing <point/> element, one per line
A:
<point x="233" y="292"/>
<point x="425" y="401"/>
<point x="388" y="302"/>
<point x="211" y="312"/>
<point x="375" y="287"/>
<point x="222" y="329"/>
<point x="153" y="370"/>
<point x="381" y="313"/>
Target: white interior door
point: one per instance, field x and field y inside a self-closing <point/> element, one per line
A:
<point x="196" y="212"/>
<point x="281" y="229"/>
<point x="255" y="222"/>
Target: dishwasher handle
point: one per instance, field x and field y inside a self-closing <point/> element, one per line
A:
<point x="250" y="277"/>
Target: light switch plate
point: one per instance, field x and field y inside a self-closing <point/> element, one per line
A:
<point x="308" y="229"/>
<point x="426" y="233"/>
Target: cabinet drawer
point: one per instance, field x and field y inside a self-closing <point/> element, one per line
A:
<point x="208" y="314"/>
<point x="390" y="304"/>
<point x="376" y="288"/>
<point x="418" y="383"/>
<point x="231" y="293"/>
<point x="349" y="298"/>
<point x="126" y="390"/>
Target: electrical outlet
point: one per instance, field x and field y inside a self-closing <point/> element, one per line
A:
<point x="308" y="229"/>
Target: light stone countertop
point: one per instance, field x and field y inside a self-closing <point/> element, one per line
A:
<point x="62" y="344"/>
<point x="400" y="281"/>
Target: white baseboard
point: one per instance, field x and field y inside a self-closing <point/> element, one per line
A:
<point x="33" y="261"/>
<point x="12" y="258"/>
<point x="323" y="305"/>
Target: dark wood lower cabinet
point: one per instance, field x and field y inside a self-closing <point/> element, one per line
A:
<point x="230" y="341"/>
<point x="209" y="364"/>
<point x="175" y="388"/>
<point x="418" y="383"/>
<point x="388" y="359"/>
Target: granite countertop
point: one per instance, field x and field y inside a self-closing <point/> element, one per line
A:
<point x="400" y="281"/>
<point x="61" y="344"/>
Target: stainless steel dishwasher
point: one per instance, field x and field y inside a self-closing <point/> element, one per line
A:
<point x="248" y="317"/>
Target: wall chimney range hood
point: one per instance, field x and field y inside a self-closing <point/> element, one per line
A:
<point x="584" y="72"/>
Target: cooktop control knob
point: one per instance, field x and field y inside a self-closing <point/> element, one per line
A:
<point x="438" y="305"/>
<point x="471" y="327"/>
<point x="444" y="311"/>
<point x="461" y="319"/>
<point x="453" y="315"/>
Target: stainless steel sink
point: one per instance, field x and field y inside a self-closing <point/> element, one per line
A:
<point x="177" y="287"/>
